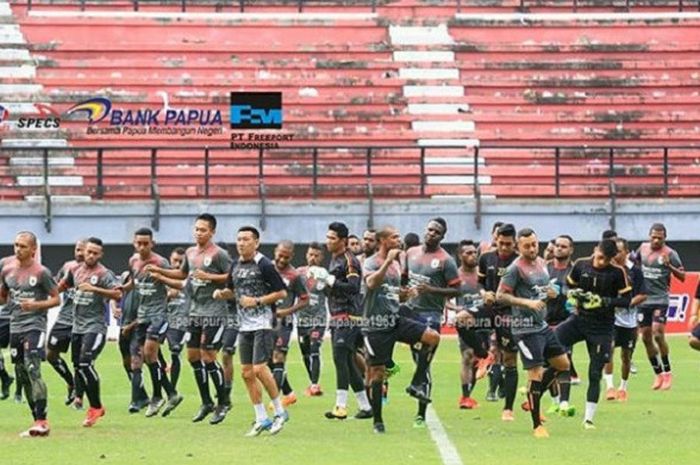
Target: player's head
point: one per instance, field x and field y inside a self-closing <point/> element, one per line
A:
<point x="284" y="252"/>
<point x="247" y="242"/>
<point x="314" y="254"/>
<point x="410" y="240"/>
<point x="623" y="250"/>
<point x="204" y="228"/>
<point x="609" y="234"/>
<point x="603" y="253"/>
<point x="93" y="251"/>
<point x="494" y="230"/>
<point x="369" y="242"/>
<point x="435" y="232"/>
<point x="467" y="253"/>
<point x="177" y="257"/>
<point x="388" y="238"/>
<point x="25" y="246"/>
<point x="354" y="244"/>
<point x="657" y="236"/>
<point x="505" y="240"/>
<point x="548" y="253"/>
<point x="527" y="244"/>
<point x="143" y="242"/>
<point x="336" y="237"/>
<point x="563" y="247"/>
<point x="79" y="250"/>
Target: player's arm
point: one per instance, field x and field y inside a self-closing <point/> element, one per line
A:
<point x="111" y="293"/>
<point x="695" y="314"/>
<point x="302" y="300"/>
<point x="115" y="309"/>
<point x="226" y="293"/>
<point x="41" y="305"/>
<point x="156" y="271"/>
<point x="219" y="278"/>
<point x="639" y="291"/>
<point x="505" y="296"/>
<point x="374" y="279"/>
<point x="674" y="264"/>
<point x="175" y="284"/>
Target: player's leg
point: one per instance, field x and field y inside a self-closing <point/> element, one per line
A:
<point x="599" y="348"/>
<point x="694" y="340"/>
<point x="91" y="346"/>
<point x="212" y="341"/>
<point x="228" y="349"/>
<point x="645" y="327"/>
<point x="658" y="329"/>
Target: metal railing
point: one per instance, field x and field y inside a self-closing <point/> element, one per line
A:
<point x="188" y="5"/>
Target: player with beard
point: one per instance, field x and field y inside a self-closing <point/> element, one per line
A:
<point x="432" y="278"/>
<point x="598" y="286"/>
<point x="492" y="266"/>
<point x="60" y="335"/>
<point x="312" y="320"/>
<point x="659" y="263"/>
<point x="296" y="299"/>
<point x="354" y="245"/>
<point x="525" y="288"/>
<point x="488" y="246"/>
<point x="29" y="291"/>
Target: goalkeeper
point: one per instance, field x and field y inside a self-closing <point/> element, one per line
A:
<point x="597" y="287"/>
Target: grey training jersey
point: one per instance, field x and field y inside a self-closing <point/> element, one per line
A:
<point x="381" y="304"/>
<point x="89" y="316"/>
<point x="657" y="276"/>
<point x="526" y="280"/>
<point x="65" y="314"/>
<point x="153" y="294"/>
<point x="34" y="283"/>
<point x="212" y="259"/>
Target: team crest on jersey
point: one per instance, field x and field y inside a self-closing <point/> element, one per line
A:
<point x="435" y="263"/>
<point x="93" y="280"/>
<point x="207" y="261"/>
<point x="32" y="281"/>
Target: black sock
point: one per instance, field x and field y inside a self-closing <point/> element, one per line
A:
<point x="63" y="371"/>
<point x="200" y="376"/>
<point x="655" y="364"/>
<point x="136" y="385"/>
<point x="92" y="385"/>
<point x="40" y="409"/>
<point x="423" y="359"/>
<point x="154" y="369"/>
<point x="375" y="400"/>
<point x="315" y="368"/>
<point x="216" y="374"/>
<point x="466" y="389"/>
<point x="228" y="387"/>
<point x="161" y="359"/>
<point x="533" y="396"/>
<point x="277" y="373"/>
<point x="128" y="371"/>
<point x="18" y="386"/>
<point x="390" y="364"/>
<point x="564" y="380"/>
<point x="165" y="382"/>
<point x="307" y="364"/>
<point x="4" y="377"/>
<point x="286" y="387"/>
<point x="666" y="363"/>
<point x="495" y="377"/>
<point x="422" y="408"/>
<point x="548" y="378"/>
<point x="175" y="365"/>
<point x="572" y="368"/>
<point x="510" y="386"/>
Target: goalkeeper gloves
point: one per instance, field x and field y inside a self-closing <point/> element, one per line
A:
<point x="321" y="275"/>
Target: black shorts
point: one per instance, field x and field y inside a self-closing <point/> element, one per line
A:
<point x="205" y="333"/>
<point x="28" y="343"/>
<point x="59" y="338"/>
<point x="283" y="336"/>
<point x="505" y="339"/>
<point x="625" y="337"/>
<point x="87" y="347"/>
<point x="153" y="330"/>
<point x="310" y="335"/>
<point x="177" y="338"/>
<point x="228" y="344"/>
<point x="649" y="314"/>
<point x="537" y="348"/>
<point x="4" y="332"/>
<point x="255" y="347"/>
<point x="696" y="331"/>
<point x="124" y="344"/>
<point x="478" y="341"/>
<point x="598" y="342"/>
<point x="345" y="334"/>
<point x="379" y="345"/>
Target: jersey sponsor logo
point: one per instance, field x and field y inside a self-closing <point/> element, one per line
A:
<point x="207" y="261"/>
<point x="435" y="263"/>
<point x="93" y="280"/>
<point x="677" y="307"/>
<point x="32" y="281"/>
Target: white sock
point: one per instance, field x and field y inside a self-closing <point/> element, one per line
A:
<point x="590" y="411"/>
<point x="341" y="398"/>
<point x="564" y="404"/>
<point x="609" y="381"/>
<point x="277" y="403"/>
<point x="623" y="385"/>
<point x="362" y="400"/>
<point x="260" y="413"/>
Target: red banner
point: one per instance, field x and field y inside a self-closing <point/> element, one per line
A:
<point x="681" y="303"/>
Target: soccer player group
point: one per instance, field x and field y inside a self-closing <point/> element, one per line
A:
<point x="502" y="297"/>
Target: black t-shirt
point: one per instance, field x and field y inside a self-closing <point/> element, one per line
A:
<point x="344" y="297"/>
<point x="492" y="267"/>
<point x="556" y="308"/>
<point x="610" y="281"/>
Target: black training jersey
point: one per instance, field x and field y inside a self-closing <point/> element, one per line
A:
<point x="610" y="282"/>
<point x="344" y="296"/>
<point x="556" y="308"/>
<point x="492" y="267"/>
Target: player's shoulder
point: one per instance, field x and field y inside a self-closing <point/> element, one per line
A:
<point x="583" y="261"/>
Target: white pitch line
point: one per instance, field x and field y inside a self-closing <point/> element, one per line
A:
<point x="447" y="450"/>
